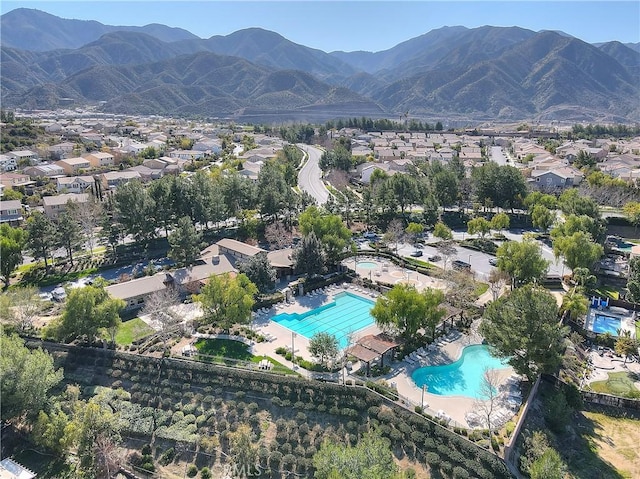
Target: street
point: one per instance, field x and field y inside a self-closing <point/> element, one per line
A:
<point x="310" y="176"/>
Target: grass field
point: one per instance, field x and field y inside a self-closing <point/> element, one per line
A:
<point x="618" y="384"/>
<point x="216" y="350"/>
<point x="610" y="447"/>
<point x="131" y="330"/>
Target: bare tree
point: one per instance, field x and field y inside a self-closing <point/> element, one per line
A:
<point x="89" y="216"/>
<point x="20" y="307"/>
<point x="395" y="233"/>
<point x="487" y="403"/>
<point x="160" y="307"/>
<point x="108" y="457"/>
<point x="447" y="250"/>
<point x="462" y="290"/>
<point x="497" y="281"/>
<point x="278" y="235"/>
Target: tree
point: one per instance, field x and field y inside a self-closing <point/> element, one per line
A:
<point x="579" y="250"/>
<point x="626" y="345"/>
<point x="395" y="233"/>
<point x="522" y="261"/>
<point x="633" y="283"/>
<point x="542" y="218"/>
<point x="259" y="270"/>
<point x="415" y="230"/>
<point x="584" y="279"/>
<point x="160" y="307"/>
<point x="371" y="457"/>
<point x="278" y="235"/>
<point x="575" y="304"/>
<point x="497" y="281"/>
<point x="523" y="328"/>
<point x="583" y="223"/>
<point x="447" y="250"/>
<point x="548" y="466"/>
<point x="324" y="346"/>
<point x="41" y="236"/>
<point x="185" y="242"/>
<point x="68" y="236"/>
<point x="478" y="226"/>
<point x="26" y="377"/>
<point x="309" y="258"/>
<point x="20" y="306"/>
<point x="12" y="242"/>
<point x="405" y="310"/>
<point x="571" y="202"/>
<point x="135" y="208"/>
<point x="442" y="231"/>
<point x="538" y="198"/>
<point x="488" y="397"/>
<point x="87" y="311"/>
<point x="631" y="210"/>
<point x="500" y="222"/>
<point x="227" y="300"/>
<point x="329" y="229"/>
<point x="243" y="450"/>
<point x="88" y="215"/>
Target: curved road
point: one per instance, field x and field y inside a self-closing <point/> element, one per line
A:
<point x="310" y="176"/>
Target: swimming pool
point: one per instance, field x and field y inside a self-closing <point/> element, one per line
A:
<point x="462" y="378"/>
<point x="366" y="264"/>
<point x="606" y="324"/>
<point x="345" y="314"/>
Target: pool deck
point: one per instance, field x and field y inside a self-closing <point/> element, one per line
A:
<point x="387" y="272"/>
<point x="283" y="337"/>
<point x="445" y="352"/>
<point x="627" y="319"/>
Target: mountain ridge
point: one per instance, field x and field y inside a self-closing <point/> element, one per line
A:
<point x="485" y="72"/>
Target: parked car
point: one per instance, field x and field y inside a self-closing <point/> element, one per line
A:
<point x="434" y="258"/>
<point x="59" y="294"/>
<point x="369" y="235"/>
<point x="416" y="253"/>
<point x="461" y="265"/>
<point x="493" y="261"/>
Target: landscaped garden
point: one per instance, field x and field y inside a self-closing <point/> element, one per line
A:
<point x="227" y="351"/>
<point x="618" y="384"/>
<point x="132" y="330"/>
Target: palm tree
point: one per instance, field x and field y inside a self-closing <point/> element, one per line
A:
<point x="575" y="303"/>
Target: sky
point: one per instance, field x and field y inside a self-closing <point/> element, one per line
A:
<point x="356" y="25"/>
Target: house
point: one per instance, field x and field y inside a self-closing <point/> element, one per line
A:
<point x="44" y="170"/>
<point x="10" y="469"/>
<point x="72" y="166"/>
<point x="11" y="212"/>
<point x="555" y="179"/>
<point x="238" y="249"/>
<point x="14" y="180"/>
<point x="62" y="150"/>
<point x="112" y="179"/>
<point x="251" y="170"/>
<point x="368" y="169"/>
<point x="187" y="154"/>
<point x="210" y="147"/>
<point x="23" y="156"/>
<point x="55" y="205"/>
<point x="74" y="184"/>
<point x="7" y="163"/>
<point x="99" y="159"/>
<point x="147" y="174"/>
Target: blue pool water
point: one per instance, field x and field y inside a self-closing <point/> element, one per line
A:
<point x="366" y="264"/>
<point x="462" y="378"/>
<point x="346" y="313"/>
<point x="606" y="324"/>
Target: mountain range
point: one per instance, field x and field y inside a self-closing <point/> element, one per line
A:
<point x="485" y="73"/>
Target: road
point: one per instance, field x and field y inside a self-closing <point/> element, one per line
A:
<point x="498" y="156"/>
<point x="310" y="176"/>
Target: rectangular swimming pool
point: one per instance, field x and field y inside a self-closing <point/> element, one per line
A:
<point x="606" y="324"/>
<point x="346" y="314"/>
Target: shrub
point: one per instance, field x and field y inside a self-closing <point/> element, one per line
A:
<point x="281" y="350"/>
<point x="433" y="459"/>
<point x="146" y="450"/>
<point x="167" y="456"/>
<point x="460" y="473"/>
<point x="446" y="467"/>
<point x="192" y="471"/>
<point x="205" y="473"/>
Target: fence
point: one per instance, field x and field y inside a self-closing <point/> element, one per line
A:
<point x="510" y="447"/>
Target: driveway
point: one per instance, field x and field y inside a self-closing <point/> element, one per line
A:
<point x="310" y="176"/>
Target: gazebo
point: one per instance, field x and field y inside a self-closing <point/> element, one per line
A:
<point x="371" y="347"/>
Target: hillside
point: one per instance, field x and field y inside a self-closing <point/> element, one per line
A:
<point x="485" y="73"/>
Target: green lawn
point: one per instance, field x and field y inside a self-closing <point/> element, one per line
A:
<point x="607" y="292"/>
<point x="481" y="288"/>
<point x="217" y="350"/>
<point x="131" y="330"/>
<point x="618" y="384"/>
